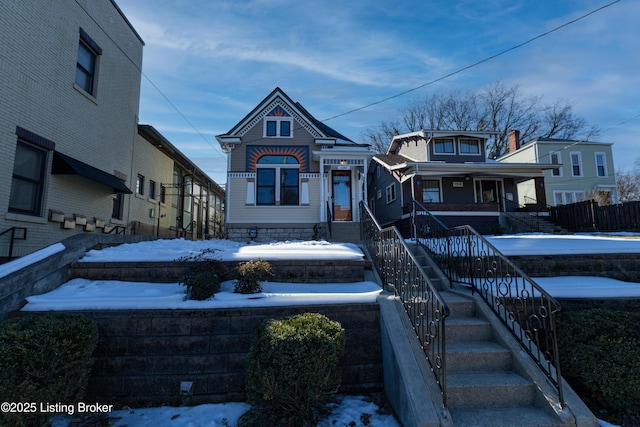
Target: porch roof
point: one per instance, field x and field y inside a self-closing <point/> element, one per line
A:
<point x="407" y="168"/>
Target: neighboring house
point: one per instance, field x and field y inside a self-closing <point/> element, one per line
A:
<point x="447" y="172"/>
<point x="584" y="170"/>
<point x="172" y="196"/>
<point x="70" y="150"/>
<point x="290" y="176"/>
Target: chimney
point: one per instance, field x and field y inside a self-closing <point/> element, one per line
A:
<point x="514" y="140"/>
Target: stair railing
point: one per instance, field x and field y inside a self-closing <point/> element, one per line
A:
<point x="403" y="274"/>
<point x="14" y="237"/>
<point x="523" y="306"/>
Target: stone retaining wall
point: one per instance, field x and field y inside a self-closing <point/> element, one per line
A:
<point x="144" y="355"/>
<point x="624" y="267"/>
<point x="329" y="271"/>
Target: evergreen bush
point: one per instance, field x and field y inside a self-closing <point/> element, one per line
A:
<point x="292" y="366"/>
<point x="599" y="352"/>
<point x="44" y="358"/>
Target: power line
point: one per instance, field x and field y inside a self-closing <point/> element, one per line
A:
<point x="475" y="64"/>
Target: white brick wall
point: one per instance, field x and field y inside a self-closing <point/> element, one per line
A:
<point x="38" y="54"/>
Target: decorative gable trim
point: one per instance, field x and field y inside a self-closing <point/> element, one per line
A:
<point x="279" y="105"/>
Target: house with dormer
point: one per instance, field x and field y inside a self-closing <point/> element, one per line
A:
<point x="290" y="176"/>
<point x="448" y="173"/>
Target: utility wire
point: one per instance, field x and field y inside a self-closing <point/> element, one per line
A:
<point x="475" y="64"/>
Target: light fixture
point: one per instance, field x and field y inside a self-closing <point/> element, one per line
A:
<point x="343" y="162"/>
<point x="253" y="232"/>
<point x="467" y="177"/>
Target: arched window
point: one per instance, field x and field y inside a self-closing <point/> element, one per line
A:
<point x="278" y="180"/>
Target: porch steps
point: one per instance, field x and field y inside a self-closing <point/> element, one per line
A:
<point x="528" y="222"/>
<point x="345" y="231"/>
<point x="484" y="387"/>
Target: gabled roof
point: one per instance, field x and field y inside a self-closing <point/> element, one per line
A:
<point x="277" y="97"/>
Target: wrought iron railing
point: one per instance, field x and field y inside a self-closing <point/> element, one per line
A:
<point x="524" y="307"/>
<point x="14" y="236"/>
<point x="401" y="272"/>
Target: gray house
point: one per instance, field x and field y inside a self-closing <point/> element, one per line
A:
<point x="449" y="173"/>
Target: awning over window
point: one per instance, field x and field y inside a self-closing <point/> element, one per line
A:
<point x="65" y="165"/>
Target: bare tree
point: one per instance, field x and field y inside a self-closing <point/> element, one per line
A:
<point x="628" y="183"/>
<point x="498" y="107"/>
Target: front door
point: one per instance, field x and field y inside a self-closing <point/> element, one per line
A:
<point x="488" y="191"/>
<point x="341" y="195"/>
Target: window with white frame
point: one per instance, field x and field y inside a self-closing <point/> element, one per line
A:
<point x="391" y="193"/>
<point x="469" y="146"/>
<point x="568" y="197"/>
<point x="601" y="165"/>
<point x="556" y="160"/>
<point x="431" y="191"/>
<point x="277" y="180"/>
<point x="576" y="163"/>
<point x="278" y="124"/>
<point x="444" y="146"/>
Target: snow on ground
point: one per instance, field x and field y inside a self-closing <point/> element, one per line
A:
<point x="83" y="294"/>
<point x="120" y="294"/>
<point x="225" y="250"/>
<point x="347" y="411"/>
<point x="22" y="262"/>
<point x="564" y="244"/>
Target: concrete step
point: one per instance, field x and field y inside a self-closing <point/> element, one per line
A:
<point x="467" y="329"/>
<point x="474" y="356"/>
<point x="484" y="389"/>
<point x="348" y="232"/>
<point x="459" y="305"/>
<point x="507" y="416"/>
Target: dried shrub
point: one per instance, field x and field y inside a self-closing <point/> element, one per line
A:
<point x="250" y="274"/>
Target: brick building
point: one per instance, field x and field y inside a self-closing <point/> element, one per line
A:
<point x="71" y="152"/>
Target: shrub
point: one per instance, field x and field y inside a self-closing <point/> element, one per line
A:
<point x="250" y="274"/>
<point x="292" y="365"/>
<point x="44" y="358"/>
<point x="599" y="350"/>
<point x="203" y="277"/>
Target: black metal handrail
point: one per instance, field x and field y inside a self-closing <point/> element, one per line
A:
<point x="13" y="238"/>
<point x="329" y="218"/>
<point x="523" y="306"/>
<point x="400" y="271"/>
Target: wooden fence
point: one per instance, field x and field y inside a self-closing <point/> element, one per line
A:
<point x="589" y="216"/>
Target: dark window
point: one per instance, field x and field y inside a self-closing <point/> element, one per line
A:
<point x="27" y="184"/>
<point x="140" y="185"/>
<point x="86" y="68"/>
<point x="289" y="192"/>
<point x="118" y="206"/>
<point x="152" y="189"/>
<point x="443" y="146"/>
<point x="285" y="128"/>
<point x="266" y="186"/>
<point x="163" y="194"/>
<point x="469" y="146"/>
<point x="271" y="128"/>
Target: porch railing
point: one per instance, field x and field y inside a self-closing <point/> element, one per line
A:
<point x="524" y="307"/>
<point x="401" y="272"/>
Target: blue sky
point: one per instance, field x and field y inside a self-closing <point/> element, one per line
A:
<point x="215" y="60"/>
